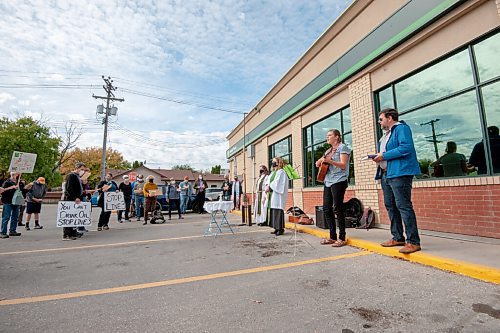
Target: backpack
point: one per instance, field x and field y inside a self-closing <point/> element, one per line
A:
<point x="353" y="209"/>
<point x="367" y="220"/>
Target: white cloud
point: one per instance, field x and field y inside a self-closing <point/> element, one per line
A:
<point x="186" y="51"/>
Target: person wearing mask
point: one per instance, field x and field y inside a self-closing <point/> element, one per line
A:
<point x="34" y="198"/>
<point x="335" y="185"/>
<point x="150" y="193"/>
<point x="87" y="193"/>
<point x="139" y="196"/>
<point x="185" y="192"/>
<point x="126" y="189"/>
<point x="260" y="203"/>
<point x="397" y="164"/>
<point x="236" y="191"/>
<point x="199" y="186"/>
<point x="106" y="185"/>
<point x="173" y="198"/>
<point x="10" y="211"/>
<point x="22" y="208"/>
<point x="277" y="191"/>
<point x="226" y="189"/>
<point x="73" y="191"/>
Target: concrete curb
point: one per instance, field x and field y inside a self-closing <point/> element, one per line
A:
<point x="483" y="273"/>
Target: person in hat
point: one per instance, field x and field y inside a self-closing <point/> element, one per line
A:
<point x="173" y="198"/>
<point x="150" y="193"/>
<point x="34" y="198"/>
<point x="126" y="188"/>
<point x="139" y="196"/>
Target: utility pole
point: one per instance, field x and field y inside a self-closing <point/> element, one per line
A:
<point x="108" y="112"/>
<point x="434" y="136"/>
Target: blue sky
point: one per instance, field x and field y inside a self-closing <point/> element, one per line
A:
<point x="221" y="54"/>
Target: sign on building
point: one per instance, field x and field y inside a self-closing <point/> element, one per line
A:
<point x="71" y="214"/>
<point x="22" y="162"/>
<point x="132" y="176"/>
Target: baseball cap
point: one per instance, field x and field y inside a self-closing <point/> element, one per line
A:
<point x="41" y="180"/>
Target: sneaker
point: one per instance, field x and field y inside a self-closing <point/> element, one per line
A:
<point x="4" y="236"/>
<point x="67" y="238"/>
<point x="99" y="228"/>
<point x="36" y="227"/>
<point x="14" y="233"/>
<point x="120" y="221"/>
<point x="105" y="227"/>
<point x="28" y="228"/>
<point x="138" y="219"/>
<point x="20" y="224"/>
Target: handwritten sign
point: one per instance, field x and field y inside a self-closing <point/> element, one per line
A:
<point x="113" y="201"/>
<point x="22" y="162"/>
<point x="71" y="214"/>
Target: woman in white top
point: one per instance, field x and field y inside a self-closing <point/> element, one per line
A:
<point x="260" y="202"/>
<point x="277" y="191"/>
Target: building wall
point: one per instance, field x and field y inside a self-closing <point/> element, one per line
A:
<point x="464" y="205"/>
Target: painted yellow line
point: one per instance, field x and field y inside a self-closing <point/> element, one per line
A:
<point x="56" y="297"/>
<point x="120" y="244"/>
<point x="480" y="272"/>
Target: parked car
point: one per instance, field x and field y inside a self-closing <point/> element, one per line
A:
<point x="94" y="198"/>
<point x="163" y="200"/>
<point x="213" y="194"/>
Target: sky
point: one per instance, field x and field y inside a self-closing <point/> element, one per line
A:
<point x="187" y="70"/>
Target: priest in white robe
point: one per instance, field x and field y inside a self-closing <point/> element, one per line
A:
<point x="260" y="199"/>
<point x="277" y="191"/>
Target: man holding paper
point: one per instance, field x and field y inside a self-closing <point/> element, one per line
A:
<point x="106" y="185"/>
<point x="150" y="193"/>
<point x="397" y="164"/>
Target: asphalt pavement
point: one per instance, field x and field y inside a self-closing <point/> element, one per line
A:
<point x="171" y="278"/>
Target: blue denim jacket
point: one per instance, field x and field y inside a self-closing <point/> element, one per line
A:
<point x="400" y="153"/>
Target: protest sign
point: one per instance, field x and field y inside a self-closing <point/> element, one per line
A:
<point x="71" y="214"/>
<point x="132" y="176"/>
<point x="22" y="162"/>
<point x="113" y="201"/>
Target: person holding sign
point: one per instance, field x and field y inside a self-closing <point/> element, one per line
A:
<point x="150" y="193"/>
<point x="335" y="185"/>
<point x="106" y="185"/>
<point x="73" y="191"/>
<point x="126" y="188"/>
<point x="10" y="207"/>
<point x="139" y="196"/>
<point x="276" y="188"/>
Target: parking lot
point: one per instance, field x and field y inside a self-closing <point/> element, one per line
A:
<point x="171" y="278"/>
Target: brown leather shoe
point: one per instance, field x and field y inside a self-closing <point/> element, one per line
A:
<point x="409" y="248"/>
<point x="392" y="242"/>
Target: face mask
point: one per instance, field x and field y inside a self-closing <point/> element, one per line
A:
<point x="200" y="178"/>
<point x="172" y="182"/>
<point x="274" y="164"/>
<point x="81" y="173"/>
<point x="140" y="180"/>
<point x="108" y="179"/>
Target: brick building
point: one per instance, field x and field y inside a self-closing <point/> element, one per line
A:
<point x="436" y="61"/>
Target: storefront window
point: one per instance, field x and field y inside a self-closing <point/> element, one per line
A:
<point x="315" y="143"/>
<point x="447" y="130"/>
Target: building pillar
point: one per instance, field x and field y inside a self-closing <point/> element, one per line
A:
<point x="364" y="140"/>
<point x="298" y="184"/>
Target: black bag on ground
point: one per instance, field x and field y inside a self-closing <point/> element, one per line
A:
<point x="353" y="209"/>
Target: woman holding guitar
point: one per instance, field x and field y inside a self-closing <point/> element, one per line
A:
<point x="335" y="161"/>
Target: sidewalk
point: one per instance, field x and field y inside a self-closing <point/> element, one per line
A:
<point x="476" y="257"/>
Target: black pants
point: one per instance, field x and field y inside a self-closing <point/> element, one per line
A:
<point x="127" y="209"/>
<point x="333" y="205"/>
<point x="177" y="203"/>
<point x="104" y="218"/>
<point x="200" y="201"/>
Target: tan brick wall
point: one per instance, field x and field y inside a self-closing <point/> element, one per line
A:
<point x="498" y="7"/>
<point x="364" y="140"/>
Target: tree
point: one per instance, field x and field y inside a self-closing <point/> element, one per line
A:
<point x="137" y="164"/>
<point x="30" y="136"/>
<point x="68" y="142"/>
<point x="92" y="159"/>
<point x="182" y="167"/>
<point x="215" y="170"/>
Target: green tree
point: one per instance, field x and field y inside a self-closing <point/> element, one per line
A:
<point x="137" y="164"/>
<point x="30" y="136"/>
<point x="215" y="170"/>
<point x="183" y="167"/>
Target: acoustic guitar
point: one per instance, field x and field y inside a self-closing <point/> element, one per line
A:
<point x="323" y="169"/>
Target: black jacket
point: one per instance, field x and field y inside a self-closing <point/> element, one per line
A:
<point x="73" y="188"/>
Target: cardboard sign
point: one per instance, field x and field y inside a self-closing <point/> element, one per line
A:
<point x="22" y="162"/>
<point x="113" y="201"/>
<point x="71" y="214"/>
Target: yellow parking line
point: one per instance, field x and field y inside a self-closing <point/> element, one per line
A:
<point x="56" y="297"/>
<point x="119" y="244"/>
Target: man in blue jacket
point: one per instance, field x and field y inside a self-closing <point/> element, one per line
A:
<point x="397" y="164"/>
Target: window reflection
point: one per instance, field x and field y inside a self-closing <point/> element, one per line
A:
<point x="346" y="121"/>
<point x="491" y="101"/>
<point x="486" y="53"/>
<point x="386" y="99"/>
<point x="282" y="149"/>
<point x="442" y="79"/>
<point x="454" y="120"/>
